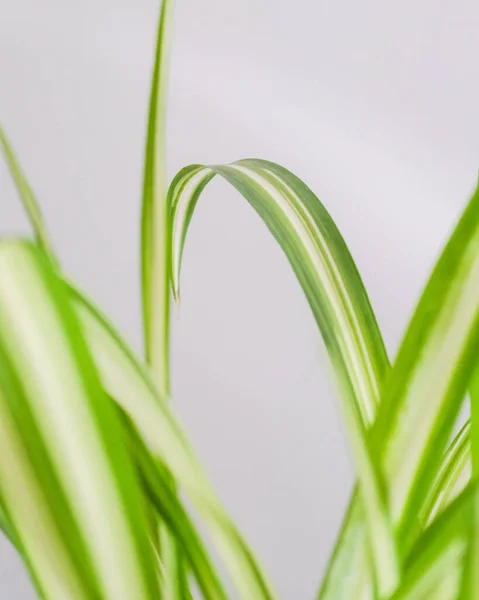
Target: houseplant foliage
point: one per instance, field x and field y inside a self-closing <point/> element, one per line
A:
<point x="95" y="469"/>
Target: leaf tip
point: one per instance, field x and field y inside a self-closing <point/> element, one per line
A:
<point x="176" y="295"/>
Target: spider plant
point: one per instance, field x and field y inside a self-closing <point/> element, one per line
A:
<point x="100" y="489"/>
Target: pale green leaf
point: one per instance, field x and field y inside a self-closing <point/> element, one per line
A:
<point x="154" y="222"/>
<point x="130" y="384"/>
<point x="155" y="259"/>
<point x="66" y="481"/>
<point x="453" y="476"/>
<point x="434" y="568"/>
<point x="157" y="482"/>
<point x="348" y="572"/>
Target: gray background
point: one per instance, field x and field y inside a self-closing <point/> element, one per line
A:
<point x="373" y="103"/>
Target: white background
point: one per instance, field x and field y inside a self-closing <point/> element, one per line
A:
<point x="374" y="103"/>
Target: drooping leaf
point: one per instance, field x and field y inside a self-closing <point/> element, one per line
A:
<point x="67" y="484"/>
<point x="329" y="278"/>
<point x="287" y="206"/>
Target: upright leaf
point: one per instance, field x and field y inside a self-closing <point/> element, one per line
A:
<point x="428" y="382"/>
<point x="470" y="588"/>
<point x="28" y="198"/>
<point x="326" y="271"/>
<point x="453" y="476"/>
<point x="434" y="568"/>
<point x="429" y="378"/>
<point x="155" y="260"/>
<point x="154" y="222"/>
<point x="350" y="556"/>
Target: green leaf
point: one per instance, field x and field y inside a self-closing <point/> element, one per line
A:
<point x="155" y="259"/>
<point x="154" y="222"/>
<point x="470" y="588"/>
<point x="430" y="376"/>
<point x="453" y="476"/>
<point x="27" y="197"/>
<point x="434" y="568"/>
<point x="285" y="202"/>
<point x="157" y="482"/>
<point x="329" y="278"/>
<point x="349" y="556"/>
<point x="67" y="485"/>
<point x="428" y="381"/>
<point x="132" y="386"/>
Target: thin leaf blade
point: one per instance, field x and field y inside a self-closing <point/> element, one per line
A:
<point x="27" y="198"/>
<point x="154" y="220"/>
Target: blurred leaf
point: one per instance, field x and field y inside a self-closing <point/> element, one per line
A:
<point x="348" y="572"/>
<point x="434" y="568"/>
<point x="157" y="481"/>
<point x="131" y="385"/>
<point x="453" y="475"/>
<point x="63" y="466"/>
<point x="470" y="583"/>
<point x="427" y="384"/>
<point x="429" y="378"/>
<point x="27" y="197"/>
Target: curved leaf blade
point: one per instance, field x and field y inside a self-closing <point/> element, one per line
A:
<point x="286" y="204"/>
<point x="329" y="278"/>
